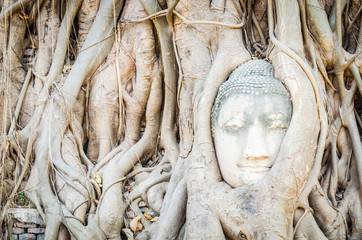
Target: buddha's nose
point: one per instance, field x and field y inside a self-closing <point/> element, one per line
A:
<point x="256" y="146"/>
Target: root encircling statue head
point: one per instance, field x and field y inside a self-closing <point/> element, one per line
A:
<point x="250" y="116"/>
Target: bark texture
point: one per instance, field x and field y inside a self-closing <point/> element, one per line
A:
<point x="105" y="117"/>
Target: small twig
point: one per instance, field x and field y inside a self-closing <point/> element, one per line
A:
<point x="107" y="158"/>
<point x="318" y="187"/>
<point x="324" y="73"/>
<point x="78" y="206"/>
<point x="334" y="173"/>
<point x="356" y="75"/>
<point x="258" y="28"/>
<point x="306" y="210"/>
<point x="354" y="20"/>
<point x="34" y="11"/>
<point x="105" y="191"/>
<point x="189" y="22"/>
<point x="42" y="78"/>
<point x="169" y="14"/>
<point x="71" y="173"/>
<point x="180" y="74"/>
<point x="359" y="121"/>
<point x="346" y="12"/>
<point x="104" y="39"/>
<point x="345" y="180"/>
<point x="119" y="84"/>
<point x="70" y="183"/>
<point x="299" y="221"/>
<point x="96" y="187"/>
<point x="20" y="101"/>
<point x="238" y="9"/>
<point x="350" y="61"/>
<point x="78" y="140"/>
<point x="150" y="17"/>
<point x="87" y="110"/>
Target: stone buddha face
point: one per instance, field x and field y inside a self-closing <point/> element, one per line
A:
<point x="249" y="119"/>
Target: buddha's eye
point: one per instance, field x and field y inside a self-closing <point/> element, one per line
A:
<point x="234" y="124"/>
<point x="277" y="124"/>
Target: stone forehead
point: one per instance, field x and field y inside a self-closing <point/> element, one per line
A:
<point x="254" y="77"/>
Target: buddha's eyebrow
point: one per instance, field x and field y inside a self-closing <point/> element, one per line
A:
<point x="233" y="116"/>
<point x="233" y="120"/>
<point x="277" y="115"/>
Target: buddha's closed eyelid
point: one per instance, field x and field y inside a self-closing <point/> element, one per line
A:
<point x="235" y="123"/>
<point x="277" y="124"/>
<point x="277" y="121"/>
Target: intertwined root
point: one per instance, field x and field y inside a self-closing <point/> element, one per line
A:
<point x="103" y="135"/>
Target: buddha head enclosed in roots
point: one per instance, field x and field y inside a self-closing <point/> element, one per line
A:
<point x="250" y="116"/>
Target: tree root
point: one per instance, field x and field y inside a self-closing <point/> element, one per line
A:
<point x="120" y="167"/>
<point x="168" y="131"/>
<point x="141" y="190"/>
<point x="78" y="177"/>
<point x="186" y="21"/>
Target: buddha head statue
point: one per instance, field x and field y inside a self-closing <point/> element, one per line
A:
<point x="250" y="116"/>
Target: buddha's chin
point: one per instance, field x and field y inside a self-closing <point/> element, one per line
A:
<point x="246" y="176"/>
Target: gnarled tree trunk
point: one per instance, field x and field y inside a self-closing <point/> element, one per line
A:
<point x="105" y="117"/>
